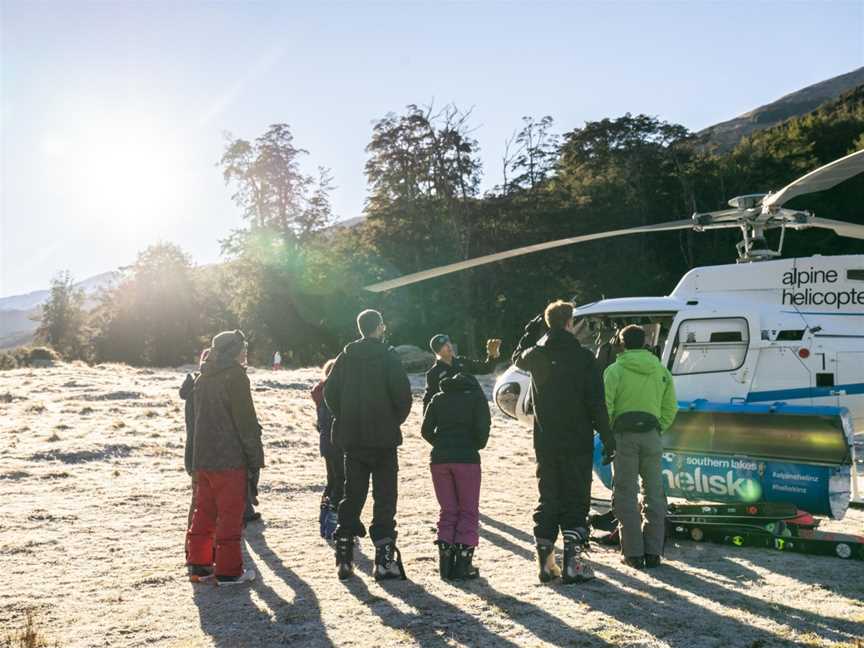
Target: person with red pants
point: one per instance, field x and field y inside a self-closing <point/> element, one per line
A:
<point x="227" y="444"/>
<point x="456" y="424"/>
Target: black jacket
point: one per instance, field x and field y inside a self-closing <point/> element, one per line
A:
<point x="457" y="421"/>
<point x="441" y="370"/>
<point x="186" y="394"/>
<point x="567" y="393"/>
<point x="227" y="434"/>
<point x="369" y="396"/>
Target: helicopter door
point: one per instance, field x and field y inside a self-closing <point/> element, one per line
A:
<point x="709" y="359"/>
<point x="849" y="386"/>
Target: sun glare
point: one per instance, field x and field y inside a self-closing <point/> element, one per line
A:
<point x="118" y="168"/>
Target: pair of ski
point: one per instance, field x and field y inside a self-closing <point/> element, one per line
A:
<point x="765" y="524"/>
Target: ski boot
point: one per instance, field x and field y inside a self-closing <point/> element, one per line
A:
<point x="464" y="569"/>
<point x="546" y="557"/>
<point x="576" y="570"/>
<point x="345" y="556"/>
<point x="652" y="561"/>
<point x="329" y="523"/>
<point x="446" y="559"/>
<point x="247" y="576"/>
<point x="322" y="515"/>
<point x="199" y="573"/>
<point x="388" y="561"/>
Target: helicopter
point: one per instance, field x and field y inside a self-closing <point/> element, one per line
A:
<point x="767" y="355"/>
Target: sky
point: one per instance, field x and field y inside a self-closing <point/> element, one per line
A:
<point x="113" y="114"/>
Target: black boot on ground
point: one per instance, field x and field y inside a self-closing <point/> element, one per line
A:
<point x="345" y="556"/>
<point x="465" y="570"/>
<point x="636" y="562"/>
<point x="549" y="570"/>
<point x="388" y="561"/>
<point x="652" y="561"/>
<point x="446" y="559"/>
<point x="576" y="569"/>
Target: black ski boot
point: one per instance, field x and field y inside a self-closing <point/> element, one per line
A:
<point x="388" y="561"/>
<point x="465" y="570"/>
<point x="446" y="559"/>
<point x="546" y="557"/>
<point x="576" y="569"/>
<point x="345" y="556"/>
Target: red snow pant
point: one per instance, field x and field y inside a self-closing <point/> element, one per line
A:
<point x="217" y="523"/>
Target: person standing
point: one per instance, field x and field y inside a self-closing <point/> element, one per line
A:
<point x="448" y="364"/>
<point x="456" y="424"/>
<point x="567" y="393"/>
<point x="226" y="444"/>
<point x="277" y="361"/>
<point x="369" y="395"/>
<point x="334" y="459"/>
<point x="640" y="398"/>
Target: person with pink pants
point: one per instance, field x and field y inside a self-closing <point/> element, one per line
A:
<point x="456" y="424"/>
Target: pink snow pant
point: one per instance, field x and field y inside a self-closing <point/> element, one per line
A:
<point x="457" y="487"/>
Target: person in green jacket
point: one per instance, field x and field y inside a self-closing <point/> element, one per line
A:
<point x="640" y="397"/>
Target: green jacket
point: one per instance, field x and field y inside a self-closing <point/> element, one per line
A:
<point x="637" y="382"/>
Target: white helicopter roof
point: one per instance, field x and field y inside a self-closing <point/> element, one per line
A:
<point x="817" y="285"/>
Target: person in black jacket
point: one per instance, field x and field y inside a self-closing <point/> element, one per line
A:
<point x="369" y="395"/>
<point x="448" y="364"/>
<point x="569" y="404"/>
<point x="457" y="424"/>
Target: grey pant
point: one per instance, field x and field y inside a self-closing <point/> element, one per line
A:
<point x="638" y="454"/>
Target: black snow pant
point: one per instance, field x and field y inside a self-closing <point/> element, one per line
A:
<point x="564" y="482"/>
<point x="335" y="462"/>
<point x="382" y="465"/>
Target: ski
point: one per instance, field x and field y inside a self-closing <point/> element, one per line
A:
<point x="706" y="530"/>
<point x="812" y="543"/>
<point x="764" y="510"/>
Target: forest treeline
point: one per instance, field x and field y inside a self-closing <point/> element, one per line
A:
<point x="293" y="281"/>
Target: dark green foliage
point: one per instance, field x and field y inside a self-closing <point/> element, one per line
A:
<point x="63" y="319"/>
<point x="295" y="286"/>
<point x="154" y="316"/>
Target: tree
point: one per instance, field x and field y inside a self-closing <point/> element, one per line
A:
<point x="270" y="187"/>
<point x="63" y="318"/>
<point x="154" y="315"/>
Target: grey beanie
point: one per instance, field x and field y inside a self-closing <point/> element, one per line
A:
<point x="228" y="343"/>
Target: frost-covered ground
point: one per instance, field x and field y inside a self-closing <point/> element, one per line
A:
<point x="93" y="502"/>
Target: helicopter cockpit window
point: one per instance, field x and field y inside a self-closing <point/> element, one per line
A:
<point x="710" y="345"/>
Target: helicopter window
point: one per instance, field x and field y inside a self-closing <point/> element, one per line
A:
<point x="726" y="336"/>
<point x="790" y="335"/>
<point x="710" y="345"/>
<point x="824" y="379"/>
<point x="855" y="275"/>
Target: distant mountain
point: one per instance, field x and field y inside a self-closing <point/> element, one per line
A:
<point x="726" y="135"/>
<point x="19" y="314"/>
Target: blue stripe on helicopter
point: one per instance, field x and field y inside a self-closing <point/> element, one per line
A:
<point x="804" y="392"/>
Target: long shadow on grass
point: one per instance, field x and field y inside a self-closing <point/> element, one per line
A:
<point x="435" y="624"/>
<point x="231" y="618"/>
<point x="455" y="623"/>
<point x="668" y="615"/>
<point x="519" y="534"/>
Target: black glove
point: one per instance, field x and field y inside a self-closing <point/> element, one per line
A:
<point x="252" y="477"/>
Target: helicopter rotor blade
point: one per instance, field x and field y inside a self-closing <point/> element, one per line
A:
<point x="849" y="230"/>
<point x="819" y="179"/>
<point x="528" y="249"/>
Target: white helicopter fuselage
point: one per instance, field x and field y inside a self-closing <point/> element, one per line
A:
<point x="785" y="330"/>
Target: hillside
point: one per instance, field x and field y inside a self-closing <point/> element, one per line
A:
<point x="19" y="313"/>
<point x="726" y="135"/>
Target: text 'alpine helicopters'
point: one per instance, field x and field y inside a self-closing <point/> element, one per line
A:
<point x="767" y="356"/>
